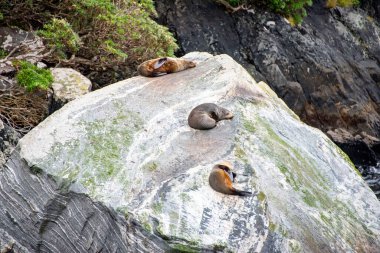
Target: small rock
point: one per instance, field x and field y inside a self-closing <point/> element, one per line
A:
<point x="68" y="85"/>
<point x="270" y="24"/>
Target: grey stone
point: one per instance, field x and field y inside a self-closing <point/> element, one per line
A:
<point x="127" y="147"/>
<point x="68" y="85"/>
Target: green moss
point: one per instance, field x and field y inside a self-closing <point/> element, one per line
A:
<point x="97" y="156"/>
<point x="70" y="174"/>
<point x="151" y="166"/>
<point x="3" y="53"/>
<point x="348" y="3"/>
<point x="31" y="77"/>
<point x="174" y="217"/>
<point x="147" y="226"/>
<point x="289" y="177"/>
<point x="157" y="208"/>
<point x="272" y="227"/>
<point x="185" y="197"/>
<point x="261" y="196"/>
<point x="249" y="126"/>
<point x="295" y="246"/>
<point x="220" y="246"/>
<point x="182" y="248"/>
<point x="239" y="153"/>
<point x="309" y="199"/>
<point x="161" y="233"/>
<point x="325" y="219"/>
<point x="283" y="231"/>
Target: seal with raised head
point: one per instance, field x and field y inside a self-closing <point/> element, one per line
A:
<point x="221" y="179"/>
<point x="162" y="66"/>
<point x="205" y="116"/>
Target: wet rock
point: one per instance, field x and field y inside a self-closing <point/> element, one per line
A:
<point x="126" y="151"/>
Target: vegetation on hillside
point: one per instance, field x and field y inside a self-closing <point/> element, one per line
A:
<point x="103" y="39"/>
<point x="294" y="10"/>
<point x="93" y="34"/>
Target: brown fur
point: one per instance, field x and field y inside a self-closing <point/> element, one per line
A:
<point x="149" y="68"/>
<point x="205" y="116"/>
<point x="221" y="178"/>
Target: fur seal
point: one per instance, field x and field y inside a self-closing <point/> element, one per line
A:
<point x="205" y="116"/>
<point x="221" y="179"/>
<point x="162" y="66"/>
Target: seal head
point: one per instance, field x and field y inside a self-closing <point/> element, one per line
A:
<point x="221" y="179"/>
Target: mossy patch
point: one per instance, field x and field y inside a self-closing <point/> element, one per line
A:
<point x="157" y="207"/>
<point x="151" y="166"/>
<point x="31" y="77"/>
<point x="249" y="126"/>
<point x="295" y="246"/>
<point x="272" y="226"/>
<point x="185" y="197"/>
<point x="261" y="196"/>
<point x="3" y="53"/>
<point x="96" y="157"/>
<point x="239" y="153"/>
<point x="309" y="198"/>
<point x="182" y="248"/>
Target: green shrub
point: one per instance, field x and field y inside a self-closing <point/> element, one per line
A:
<point x="294" y="10"/>
<point x="31" y="77"/>
<point x="59" y="34"/>
<point x="235" y="3"/>
<point x="101" y="34"/>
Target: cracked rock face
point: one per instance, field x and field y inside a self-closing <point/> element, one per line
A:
<point x="8" y="140"/>
<point x="120" y="169"/>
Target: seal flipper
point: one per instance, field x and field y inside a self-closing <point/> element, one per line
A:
<point x="155" y="74"/>
<point x="160" y="62"/>
<point x="241" y="193"/>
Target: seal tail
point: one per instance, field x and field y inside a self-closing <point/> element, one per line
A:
<point x="241" y="193"/>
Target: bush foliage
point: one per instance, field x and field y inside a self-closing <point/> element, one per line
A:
<point x="294" y="10"/>
<point x="100" y="33"/>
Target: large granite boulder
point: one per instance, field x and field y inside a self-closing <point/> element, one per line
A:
<point x="119" y="170"/>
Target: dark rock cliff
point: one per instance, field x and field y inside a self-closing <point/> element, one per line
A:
<point x="327" y="69"/>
